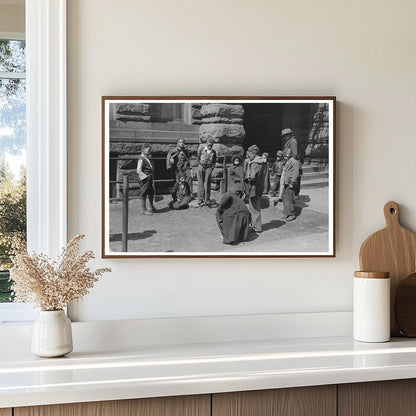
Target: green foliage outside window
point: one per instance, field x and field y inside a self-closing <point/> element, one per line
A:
<point x="12" y="223"/>
<point x="12" y="147"/>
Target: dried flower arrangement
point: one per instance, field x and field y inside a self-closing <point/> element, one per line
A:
<point x="53" y="285"/>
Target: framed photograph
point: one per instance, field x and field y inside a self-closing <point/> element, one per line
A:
<point x="218" y="177"/>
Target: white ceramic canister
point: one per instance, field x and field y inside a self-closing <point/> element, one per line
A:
<point x="371" y="310"/>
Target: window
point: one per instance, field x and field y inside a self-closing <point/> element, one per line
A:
<point x="12" y="165"/>
<point x="12" y="155"/>
<point x="46" y="134"/>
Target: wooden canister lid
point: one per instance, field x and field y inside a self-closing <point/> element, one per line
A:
<point x="372" y="275"/>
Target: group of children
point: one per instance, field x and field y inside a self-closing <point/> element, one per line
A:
<point x="285" y="174"/>
<point x="275" y="170"/>
<point x="178" y="159"/>
<point x="285" y="171"/>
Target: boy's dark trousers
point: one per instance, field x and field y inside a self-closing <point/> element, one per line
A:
<point x="298" y="179"/>
<point x="288" y="196"/>
<point x="276" y="185"/>
<point x="204" y="183"/>
<point x="255" y="211"/>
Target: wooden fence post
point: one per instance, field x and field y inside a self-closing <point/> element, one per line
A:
<point x="223" y="183"/>
<point x="125" y="221"/>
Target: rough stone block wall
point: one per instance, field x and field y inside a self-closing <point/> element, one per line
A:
<point x="196" y="114"/>
<point x="319" y="134"/>
<point x="131" y="126"/>
<point x="223" y="123"/>
<point x="133" y="112"/>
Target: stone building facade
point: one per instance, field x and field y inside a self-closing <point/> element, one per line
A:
<point x="232" y="126"/>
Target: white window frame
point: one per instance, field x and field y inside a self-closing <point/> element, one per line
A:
<point x="46" y="133"/>
<point x="15" y="312"/>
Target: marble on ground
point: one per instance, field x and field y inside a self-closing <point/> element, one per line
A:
<point x="195" y="229"/>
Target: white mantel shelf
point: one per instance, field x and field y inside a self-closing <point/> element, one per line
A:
<point x="151" y="371"/>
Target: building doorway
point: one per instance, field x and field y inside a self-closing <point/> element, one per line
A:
<point x="263" y="124"/>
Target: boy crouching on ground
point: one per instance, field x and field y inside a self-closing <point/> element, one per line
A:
<point x="181" y="194"/>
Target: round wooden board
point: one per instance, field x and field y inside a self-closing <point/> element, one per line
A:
<point x="392" y="250"/>
<point x="405" y="306"/>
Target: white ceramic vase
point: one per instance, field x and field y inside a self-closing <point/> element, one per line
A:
<point x="52" y="334"/>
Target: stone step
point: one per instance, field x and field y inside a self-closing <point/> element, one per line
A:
<point x="152" y="126"/>
<point x="315" y="183"/>
<point x="318" y="162"/>
<point x="313" y="169"/>
<point x="314" y="175"/>
<point x="152" y="136"/>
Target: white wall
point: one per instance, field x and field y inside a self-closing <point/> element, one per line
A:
<point x="363" y="52"/>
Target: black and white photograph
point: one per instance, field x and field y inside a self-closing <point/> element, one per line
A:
<point x="218" y="176"/>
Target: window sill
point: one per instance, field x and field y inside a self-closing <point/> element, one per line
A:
<point x="16" y="313"/>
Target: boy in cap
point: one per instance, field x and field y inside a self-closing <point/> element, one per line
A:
<point x="146" y="176"/>
<point x="254" y="184"/>
<point x="290" y="142"/>
<point x="277" y="169"/>
<point x="207" y="158"/>
<point x="236" y="177"/>
<point x="289" y="176"/>
<point x="178" y="160"/>
<point x="266" y="189"/>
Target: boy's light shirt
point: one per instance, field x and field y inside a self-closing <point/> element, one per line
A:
<point x="142" y="175"/>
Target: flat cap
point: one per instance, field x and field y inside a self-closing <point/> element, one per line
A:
<point x="254" y="149"/>
<point x="286" y="131"/>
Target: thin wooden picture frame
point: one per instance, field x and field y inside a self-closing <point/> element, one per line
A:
<point x="233" y="124"/>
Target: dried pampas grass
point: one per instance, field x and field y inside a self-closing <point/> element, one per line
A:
<point x="53" y="285"/>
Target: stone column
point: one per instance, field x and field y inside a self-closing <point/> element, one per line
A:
<point x="196" y="113"/>
<point x="224" y="124"/>
<point x="319" y="135"/>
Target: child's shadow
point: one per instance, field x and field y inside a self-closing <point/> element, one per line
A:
<point x="163" y="210"/>
<point x="264" y="202"/>
<point x="273" y="224"/>
<point x="134" y="236"/>
<point x="300" y="203"/>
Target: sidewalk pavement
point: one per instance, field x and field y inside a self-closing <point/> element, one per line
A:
<point x="195" y="230"/>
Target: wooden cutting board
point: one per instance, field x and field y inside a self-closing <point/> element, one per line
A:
<point x="392" y="250"/>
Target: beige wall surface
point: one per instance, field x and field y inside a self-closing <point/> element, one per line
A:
<point x="12" y="18"/>
<point x="363" y="52"/>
